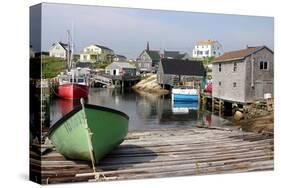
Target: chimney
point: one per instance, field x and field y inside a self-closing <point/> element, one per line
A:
<point x="147" y="46"/>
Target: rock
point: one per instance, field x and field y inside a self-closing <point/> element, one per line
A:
<point x="238" y="115"/>
<point x="150" y="85"/>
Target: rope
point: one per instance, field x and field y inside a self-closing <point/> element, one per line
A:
<point x="54" y="91"/>
<point x="90" y="146"/>
<point x="89" y="135"/>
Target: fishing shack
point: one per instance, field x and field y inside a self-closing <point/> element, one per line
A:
<point x="121" y="69"/>
<point x="243" y="76"/>
<point x="174" y="72"/>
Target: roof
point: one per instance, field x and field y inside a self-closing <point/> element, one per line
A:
<point x="153" y="54"/>
<point x="121" y="65"/>
<point x="183" y="56"/>
<point x="65" y="46"/>
<point x="103" y="47"/>
<point x="120" y="56"/>
<point x="84" y="65"/>
<point x="171" y="54"/>
<point x="183" y="67"/>
<point x="238" y="54"/>
<point x="206" y="42"/>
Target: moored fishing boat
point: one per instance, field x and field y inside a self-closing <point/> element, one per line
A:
<point x="185" y="94"/>
<point x="73" y="84"/>
<point x="89" y="132"/>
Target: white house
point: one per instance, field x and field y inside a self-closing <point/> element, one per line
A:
<point x="59" y="49"/>
<point x="207" y="48"/>
<point x="96" y="53"/>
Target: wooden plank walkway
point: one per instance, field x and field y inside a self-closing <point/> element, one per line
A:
<point x="164" y="153"/>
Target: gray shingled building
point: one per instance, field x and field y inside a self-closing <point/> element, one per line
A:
<point x="243" y="75"/>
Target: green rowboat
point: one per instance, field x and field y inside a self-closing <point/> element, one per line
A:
<point x="89" y="132"/>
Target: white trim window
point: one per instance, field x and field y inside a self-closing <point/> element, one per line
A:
<point x="263" y="65"/>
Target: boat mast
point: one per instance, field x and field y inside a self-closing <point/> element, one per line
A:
<point x="72" y="43"/>
<point x="69" y="64"/>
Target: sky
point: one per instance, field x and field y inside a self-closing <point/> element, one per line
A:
<point x="127" y="30"/>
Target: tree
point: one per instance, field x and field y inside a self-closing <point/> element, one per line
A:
<point x="208" y="60"/>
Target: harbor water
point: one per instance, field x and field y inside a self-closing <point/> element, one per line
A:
<point x="146" y="111"/>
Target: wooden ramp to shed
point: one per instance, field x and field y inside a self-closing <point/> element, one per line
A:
<point x="164" y="153"/>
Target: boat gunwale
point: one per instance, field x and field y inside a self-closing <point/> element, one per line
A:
<point x="78" y="108"/>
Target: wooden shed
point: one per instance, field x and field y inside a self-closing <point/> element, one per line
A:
<point x="174" y="72"/>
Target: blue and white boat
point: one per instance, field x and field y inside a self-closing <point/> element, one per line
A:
<point x="185" y="94"/>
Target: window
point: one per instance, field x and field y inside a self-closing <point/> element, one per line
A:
<point x="219" y="83"/>
<point x="234" y="84"/>
<point x="207" y="52"/>
<point x="263" y="65"/>
<point x="235" y="67"/>
<point x="219" y="67"/>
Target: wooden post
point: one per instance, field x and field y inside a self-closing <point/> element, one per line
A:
<point x="220" y="108"/>
<point x="204" y="104"/>
<point x="213" y="104"/>
<point x="199" y="99"/>
<point x="122" y="87"/>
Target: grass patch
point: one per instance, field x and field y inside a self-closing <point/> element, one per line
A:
<point x="51" y="66"/>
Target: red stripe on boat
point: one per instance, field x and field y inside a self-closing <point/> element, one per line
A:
<point x="73" y="91"/>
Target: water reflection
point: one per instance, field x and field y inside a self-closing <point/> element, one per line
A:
<point x="183" y="107"/>
<point x="145" y="110"/>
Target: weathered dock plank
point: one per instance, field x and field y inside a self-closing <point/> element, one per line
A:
<point x="164" y="153"/>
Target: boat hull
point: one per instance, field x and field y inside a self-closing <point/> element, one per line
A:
<point x="191" y="104"/>
<point x="184" y="97"/>
<point x="73" y="91"/>
<point x="184" y="94"/>
<point x="72" y="133"/>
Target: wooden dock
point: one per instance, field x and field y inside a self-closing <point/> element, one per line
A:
<point x="164" y="153"/>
